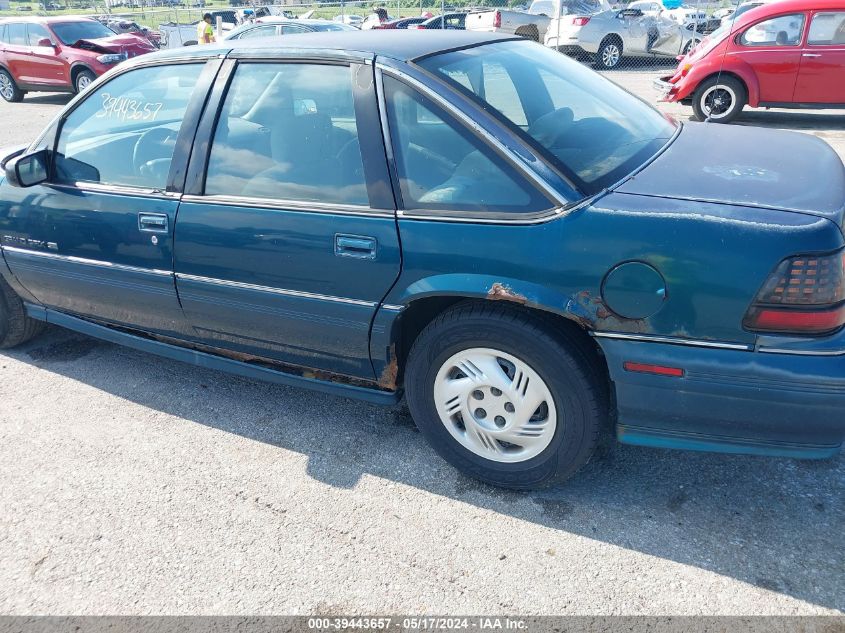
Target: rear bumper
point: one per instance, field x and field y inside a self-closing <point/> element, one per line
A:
<point x="729" y="400"/>
<point x="663" y="87"/>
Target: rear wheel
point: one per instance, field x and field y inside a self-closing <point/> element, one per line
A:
<point x="84" y="79"/>
<point x="15" y="326"/>
<point x="503" y="398"/>
<point x="719" y="99"/>
<point x="8" y="88"/>
<point x="609" y="54"/>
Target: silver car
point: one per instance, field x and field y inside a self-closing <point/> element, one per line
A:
<point x="612" y="35"/>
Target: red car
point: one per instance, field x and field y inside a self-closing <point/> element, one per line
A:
<point x="787" y="54"/>
<point x="61" y="54"/>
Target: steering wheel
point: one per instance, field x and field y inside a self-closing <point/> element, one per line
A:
<point x="153" y="144"/>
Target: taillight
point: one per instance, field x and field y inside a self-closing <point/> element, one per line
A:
<point x="580" y="20"/>
<point x="497" y="19"/>
<point x="804" y="295"/>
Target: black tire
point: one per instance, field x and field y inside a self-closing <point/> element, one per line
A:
<point x="575" y="380"/>
<point x="15" y="326"/>
<point x="10" y="91"/>
<point x="719" y="88"/>
<point x="83" y="80"/>
<point x="609" y="55"/>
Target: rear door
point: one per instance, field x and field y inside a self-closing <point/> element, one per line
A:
<point x="96" y="239"/>
<point x="772" y="47"/>
<point x="286" y="241"/>
<point x="821" y="77"/>
<point x="17" y="56"/>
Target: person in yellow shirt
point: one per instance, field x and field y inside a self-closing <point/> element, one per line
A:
<point x="205" y="32"/>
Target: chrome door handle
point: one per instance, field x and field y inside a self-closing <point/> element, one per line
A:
<point x="811" y="55"/>
<point x="359" y="246"/>
<point x="152" y="222"/>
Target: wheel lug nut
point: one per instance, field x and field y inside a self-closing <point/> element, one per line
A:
<point x="480" y="413"/>
<point x="495" y="392"/>
<point x="509" y="407"/>
<point x="500" y="421"/>
<point x="478" y="394"/>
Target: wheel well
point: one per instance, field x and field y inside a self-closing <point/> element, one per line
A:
<point x="421" y="312"/>
<point x="74" y="73"/>
<point x="613" y="37"/>
<point x="528" y="31"/>
<point x="726" y="73"/>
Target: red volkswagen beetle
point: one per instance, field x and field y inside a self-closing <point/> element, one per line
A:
<point x="787" y="54"/>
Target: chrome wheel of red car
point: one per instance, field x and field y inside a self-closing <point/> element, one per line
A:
<point x="83" y="80"/>
<point x="719" y="100"/>
<point x="8" y="89"/>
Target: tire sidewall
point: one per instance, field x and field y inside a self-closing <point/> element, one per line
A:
<point x="736" y="107"/>
<point x="558" y="368"/>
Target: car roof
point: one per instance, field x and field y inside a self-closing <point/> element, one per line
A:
<point x="400" y="45"/>
<point x="773" y="7"/>
<point x="272" y="19"/>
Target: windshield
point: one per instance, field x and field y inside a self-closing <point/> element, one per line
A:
<point x="589" y="128"/>
<point x="71" y="32"/>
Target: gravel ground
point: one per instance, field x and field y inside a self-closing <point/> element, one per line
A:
<point x="136" y="485"/>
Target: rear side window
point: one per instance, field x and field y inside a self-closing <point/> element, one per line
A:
<point x="124" y="133"/>
<point x="288" y="132"/>
<point x="827" y="29"/>
<point x="261" y="31"/>
<point x="443" y="167"/>
<point x="784" y="30"/>
<point x="17" y="34"/>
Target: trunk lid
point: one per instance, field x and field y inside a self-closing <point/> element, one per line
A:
<point x="748" y="166"/>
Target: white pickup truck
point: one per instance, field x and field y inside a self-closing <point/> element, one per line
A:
<point x="553" y="22"/>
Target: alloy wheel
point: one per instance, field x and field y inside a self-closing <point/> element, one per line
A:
<point x="7" y="90"/>
<point x="495" y="405"/>
<point x="83" y="82"/>
<point x="718" y="101"/>
<point x="610" y="55"/>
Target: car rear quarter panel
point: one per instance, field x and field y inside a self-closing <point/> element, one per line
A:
<point x="713" y="258"/>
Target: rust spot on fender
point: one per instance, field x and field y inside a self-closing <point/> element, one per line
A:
<point x="500" y="292"/>
<point x="388" y="377"/>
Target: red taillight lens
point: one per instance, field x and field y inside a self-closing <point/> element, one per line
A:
<point x="580" y="21"/>
<point x="805" y="294"/>
<point x="497" y="19"/>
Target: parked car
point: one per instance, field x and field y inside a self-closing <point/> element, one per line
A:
<point x="133" y="28"/>
<point x="61" y="54"/>
<point x="400" y="23"/>
<point x="351" y="20"/>
<point x="530" y="255"/>
<point x="611" y="36"/>
<point x="448" y="21"/>
<point x="271" y="27"/>
<point x="532" y="24"/>
<point x="379" y="16"/>
<point x="788" y="54"/>
<point x="566" y="18"/>
<point x="175" y="35"/>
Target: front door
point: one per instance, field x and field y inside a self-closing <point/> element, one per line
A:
<point x="96" y="240"/>
<point x="772" y="48"/>
<point x="44" y="63"/>
<point x="288" y="247"/>
<point x="821" y="78"/>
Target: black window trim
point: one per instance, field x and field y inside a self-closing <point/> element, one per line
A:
<point x="558" y="206"/>
<point x="187" y="130"/>
<point x="740" y="36"/>
<point x="198" y="166"/>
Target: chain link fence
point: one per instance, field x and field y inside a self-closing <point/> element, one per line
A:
<point x="639" y="35"/>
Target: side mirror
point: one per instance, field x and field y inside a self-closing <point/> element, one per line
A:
<point x="27" y="170"/>
<point x="46" y="41"/>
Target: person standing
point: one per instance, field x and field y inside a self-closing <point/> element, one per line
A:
<point x="205" y="32"/>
